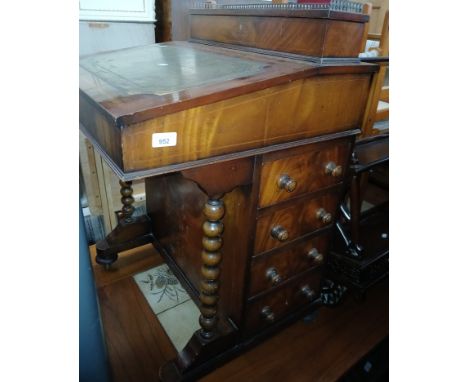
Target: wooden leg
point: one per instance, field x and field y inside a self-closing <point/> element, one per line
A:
<point x="126" y="191"/>
<point x="216" y="334"/>
<point x="210" y="345"/>
<point x="355" y="208"/>
<point x="130" y="231"/>
<point x="211" y="258"/>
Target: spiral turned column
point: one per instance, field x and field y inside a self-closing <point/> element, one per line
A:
<point x="211" y="258"/>
<point x="127" y="199"/>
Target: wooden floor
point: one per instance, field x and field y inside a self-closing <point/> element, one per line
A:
<point x="322" y="350"/>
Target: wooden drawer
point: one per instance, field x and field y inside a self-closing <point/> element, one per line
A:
<point x="281" y="225"/>
<point x="273" y="269"/>
<point x="268" y="309"/>
<point x="302" y="171"/>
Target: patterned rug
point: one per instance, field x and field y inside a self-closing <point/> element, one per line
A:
<point x="170" y="302"/>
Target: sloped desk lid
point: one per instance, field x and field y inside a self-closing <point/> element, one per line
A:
<point x="136" y="84"/>
<point x="163" y="69"/>
<point x="126" y="92"/>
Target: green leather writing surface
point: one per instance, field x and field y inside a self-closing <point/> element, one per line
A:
<point x="163" y="69"/>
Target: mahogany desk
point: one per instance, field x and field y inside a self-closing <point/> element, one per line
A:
<point x="243" y="155"/>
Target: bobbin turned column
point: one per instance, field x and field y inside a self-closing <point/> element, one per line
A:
<point x="211" y="257"/>
<point x="127" y="200"/>
<point x="130" y="231"/>
<point x="217" y="333"/>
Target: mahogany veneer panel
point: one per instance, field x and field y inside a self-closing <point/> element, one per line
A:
<point x="281" y="301"/>
<point x="175" y="205"/>
<point x="301" y="109"/>
<point x="298" y="219"/>
<point x="294" y="35"/>
<point x="306" y="167"/>
<point x="288" y="262"/>
<point x="343" y="39"/>
<point x="309" y="33"/>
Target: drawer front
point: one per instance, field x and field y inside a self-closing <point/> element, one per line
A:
<point x="266" y="310"/>
<point x="270" y="270"/>
<point x="279" y="227"/>
<point x="321" y="166"/>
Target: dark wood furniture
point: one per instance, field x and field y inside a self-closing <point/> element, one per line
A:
<point x="360" y="252"/>
<point x="243" y="150"/>
<point x="312" y="30"/>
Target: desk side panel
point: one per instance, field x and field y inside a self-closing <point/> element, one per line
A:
<point x="300" y="109"/>
<point x="101" y="130"/>
<point x="343" y="39"/>
<point x="175" y="205"/>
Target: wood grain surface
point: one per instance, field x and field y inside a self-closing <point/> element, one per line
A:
<point x="284" y="113"/>
<point x="306" y="167"/>
<point x="306" y="36"/>
<point x="294" y="35"/>
<point x="175" y="205"/>
<point x="298" y="219"/>
<point x="283" y="300"/>
<point x="289" y="262"/>
<point x="131" y="330"/>
<point x="343" y="39"/>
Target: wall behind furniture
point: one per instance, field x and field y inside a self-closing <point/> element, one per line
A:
<point x="115" y="24"/>
<point x="100" y="36"/>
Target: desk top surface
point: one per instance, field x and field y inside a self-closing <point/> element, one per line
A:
<point x="166" y="69"/>
<point x="137" y="84"/>
<point x="145" y="82"/>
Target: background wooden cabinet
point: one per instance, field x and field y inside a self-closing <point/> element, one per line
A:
<point x="379" y="8"/>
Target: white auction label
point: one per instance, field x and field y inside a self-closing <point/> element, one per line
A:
<point x="164" y="139"/>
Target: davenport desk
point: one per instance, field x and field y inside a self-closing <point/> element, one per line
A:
<point x="243" y="142"/>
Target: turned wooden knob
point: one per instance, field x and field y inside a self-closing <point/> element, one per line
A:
<point x="268" y="314"/>
<point x="315" y="255"/>
<point x="273" y="275"/>
<point x="279" y="233"/>
<point x="332" y="169"/>
<point x="324" y="216"/>
<point x="285" y="182"/>
<point x="308" y="293"/>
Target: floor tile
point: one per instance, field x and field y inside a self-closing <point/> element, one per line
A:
<point x="180" y="323"/>
<point x="161" y="288"/>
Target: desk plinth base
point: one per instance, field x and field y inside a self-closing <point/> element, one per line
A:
<point x="127" y="235"/>
<point x="197" y="356"/>
<point x="131" y="232"/>
<point x="223" y="348"/>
